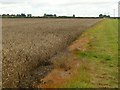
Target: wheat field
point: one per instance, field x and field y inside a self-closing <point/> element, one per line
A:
<point x="29" y="42"/>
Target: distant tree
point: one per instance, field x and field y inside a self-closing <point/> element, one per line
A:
<point x="8" y="15"/>
<point x="104" y="16"/>
<point x="100" y="15"/>
<point x="55" y="15"/>
<point x="3" y="14"/>
<point x="29" y="15"/>
<point x="108" y="15"/>
<point x="73" y="15"/>
<point x="18" y="15"/>
<point x="23" y="15"/>
<point x="13" y="15"/>
<point x="45" y="15"/>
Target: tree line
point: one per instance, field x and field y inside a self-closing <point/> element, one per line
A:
<point x="22" y="15"/>
<point x="16" y="15"/>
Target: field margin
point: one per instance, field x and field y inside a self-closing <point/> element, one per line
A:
<point x="119" y="52"/>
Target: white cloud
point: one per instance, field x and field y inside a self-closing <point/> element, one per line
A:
<point x="60" y="7"/>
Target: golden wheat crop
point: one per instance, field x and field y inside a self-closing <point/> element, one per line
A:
<point x="29" y="42"/>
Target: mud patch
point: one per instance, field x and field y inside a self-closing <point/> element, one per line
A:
<point x="79" y="45"/>
<point x="58" y="76"/>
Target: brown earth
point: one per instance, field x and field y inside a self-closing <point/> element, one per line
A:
<point x="28" y="44"/>
<point x="61" y="73"/>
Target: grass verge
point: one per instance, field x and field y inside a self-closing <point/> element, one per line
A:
<point x="99" y="61"/>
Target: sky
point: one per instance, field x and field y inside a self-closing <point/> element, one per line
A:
<point x="60" y="7"/>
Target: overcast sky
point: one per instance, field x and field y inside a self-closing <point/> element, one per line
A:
<point x="59" y="7"/>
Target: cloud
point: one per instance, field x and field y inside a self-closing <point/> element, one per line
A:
<point x="60" y="7"/>
<point x="87" y="3"/>
<point x="11" y="1"/>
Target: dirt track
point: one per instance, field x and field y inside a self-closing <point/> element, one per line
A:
<point x="30" y="43"/>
